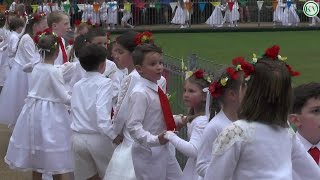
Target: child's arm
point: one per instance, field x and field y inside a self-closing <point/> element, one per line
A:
<point x="303" y="166"/>
<point x="138" y="104"/>
<point x="190" y="148"/>
<point x="58" y="87"/>
<point x="104" y="106"/>
<point x="225" y="154"/>
<point x="13" y="45"/>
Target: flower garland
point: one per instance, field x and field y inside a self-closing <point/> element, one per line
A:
<point x="198" y="74"/>
<point x="239" y="64"/>
<point x="145" y="37"/>
<point x="35" y="16"/>
<point x="40" y="35"/>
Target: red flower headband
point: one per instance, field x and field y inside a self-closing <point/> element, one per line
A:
<point x="145" y="37"/>
<point x="36" y="16"/>
<point x="273" y="53"/>
<point x="198" y="74"/>
<point x="41" y="34"/>
<point x="216" y="88"/>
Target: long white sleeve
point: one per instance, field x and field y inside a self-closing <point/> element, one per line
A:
<point x="138" y="103"/>
<point x="188" y="148"/>
<point x="59" y="88"/>
<point x="104" y="106"/>
<point x="304" y="167"/>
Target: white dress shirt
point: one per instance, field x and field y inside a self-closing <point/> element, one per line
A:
<point x="146" y="120"/>
<point x="307" y="145"/>
<point x="210" y="133"/>
<point x="252" y="150"/>
<point x="91" y="105"/>
<point x="190" y="148"/>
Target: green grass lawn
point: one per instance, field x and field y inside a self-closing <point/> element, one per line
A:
<point x="301" y="47"/>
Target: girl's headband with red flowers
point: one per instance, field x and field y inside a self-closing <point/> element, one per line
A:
<point x="42" y="34"/>
<point x="36" y="16"/>
<point x="198" y="74"/>
<point x="145" y="37"/>
<point x="240" y="64"/>
<point x="273" y="54"/>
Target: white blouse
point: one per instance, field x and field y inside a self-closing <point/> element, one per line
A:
<point x="306" y="144"/>
<point x="252" y="150"/>
<point x="189" y="148"/>
<point x="210" y="133"/>
<point x="27" y="51"/>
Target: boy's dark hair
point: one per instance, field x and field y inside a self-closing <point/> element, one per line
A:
<point x="302" y="94"/>
<point x="141" y="50"/>
<point x="79" y="42"/>
<point x="269" y="94"/>
<point x="15" y="23"/>
<point x="91" y="56"/>
<point x="2" y="20"/>
<point x="55" y="17"/>
<point x="95" y="32"/>
<point x="126" y="40"/>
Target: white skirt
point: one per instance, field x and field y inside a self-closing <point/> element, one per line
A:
<point x="121" y="166"/>
<point x="181" y="16"/>
<point x="41" y="139"/>
<point x="216" y="18"/>
<point x="112" y="17"/>
<point x="290" y="16"/>
<point x="13" y="94"/>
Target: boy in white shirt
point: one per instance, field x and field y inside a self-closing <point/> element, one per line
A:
<point x="91" y="105"/>
<point x="305" y="115"/>
<point x="151" y="155"/>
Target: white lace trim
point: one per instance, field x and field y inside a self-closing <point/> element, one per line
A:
<point x="122" y="95"/>
<point x="238" y="131"/>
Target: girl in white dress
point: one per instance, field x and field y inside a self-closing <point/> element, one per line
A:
<point x="261" y="145"/>
<point x="121" y="165"/>
<point x="278" y="12"/>
<point x="181" y="15"/>
<point x="290" y="16"/>
<point x="16" y="86"/>
<point x="84" y="17"/>
<point x="112" y="14"/>
<point x="216" y="19"/>
<point x="195" y="98"/>
<point x="232" y="13"/>
<point x="4" y="36"/>
<point x="104" y="13"/>
<point x="41" y="140"/>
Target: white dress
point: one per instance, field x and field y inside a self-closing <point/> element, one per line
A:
<point x="12" y="47"/>
<point x="112" y="12"/>
<point x="85" y="13"/>
<point x="4" y="66"/>
<point x="233" y="15"/>
<point x="290" y="16"/>
<point x="104" y="12"/>
<point x="278" y="12"/>
<point x="121" y="160"/>
<point x="252" y="150"/>
<point x="216" y="18"/>
<point x="15" y="89"/>
<point x="181" y="15"/>
<point x="96" y="16"/>
<point x="190" y="148"/>
<point x="90" y="12"/>
<point x="41" y="139"/>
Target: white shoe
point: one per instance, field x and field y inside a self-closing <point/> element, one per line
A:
<point x="108" y="27"/>
<point x="182" y="27"/>
<point x="312" y="24"/>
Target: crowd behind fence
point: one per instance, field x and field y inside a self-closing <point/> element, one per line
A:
<point x="162" y="12"/>
<point x="174" y="72"/>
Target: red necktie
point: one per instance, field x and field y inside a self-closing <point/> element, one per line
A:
<point x="315" y="153"/>
<point x="167" y="114"/>
<point x="64" y="53"/>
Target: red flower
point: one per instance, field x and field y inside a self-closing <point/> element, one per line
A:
<point x="77" y="22"/>
<point x="70" y="42"/>
<point x="36" y="39"/>
<point x="48" y="31"/>
<point x="232" y="73"/>
<point x="215" y="89"/>
<point x="145" y="37"/>
<point x="36" y="17"/>
<point x="199" y="74"/>
<point x="292" y="73"/>
<point x="238" y="60"/>
<point x="272" y="52"/>
<point x="247" y="68"/>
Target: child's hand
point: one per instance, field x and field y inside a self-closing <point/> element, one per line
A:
<point x="118" y="140"/>
<point x="161" y="138"/>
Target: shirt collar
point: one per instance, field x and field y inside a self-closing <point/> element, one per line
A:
<point x="150" y="84"/>
<point x="92" y="73"/>
<point x="306" y="143"/>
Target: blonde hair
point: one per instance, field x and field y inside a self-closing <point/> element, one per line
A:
<point x="55" y="17"/>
